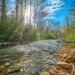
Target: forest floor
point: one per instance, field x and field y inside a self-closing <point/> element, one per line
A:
<point x="65" y="61"/>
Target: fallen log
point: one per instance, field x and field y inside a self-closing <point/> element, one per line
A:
<point x="8" y="43"/>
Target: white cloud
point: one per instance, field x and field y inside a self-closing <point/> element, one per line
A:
<point x="53" y="8"/>
<point x="50" y="16"/>
<point x="55" y="1"/>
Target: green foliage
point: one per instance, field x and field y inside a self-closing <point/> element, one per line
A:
<point x="36" y="34"/>
<point x="69" y="35"/>
<point x="50" y="35"/>
<point x="30" y="33"/>
<point x="8" y="31"/>
<point x="17" y="31"/>
<point x="45" y="34"/>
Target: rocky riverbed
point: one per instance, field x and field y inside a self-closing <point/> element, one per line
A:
<point x="29" y="59"/>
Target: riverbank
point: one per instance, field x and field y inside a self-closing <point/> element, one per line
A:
<point x="65" y="61"/>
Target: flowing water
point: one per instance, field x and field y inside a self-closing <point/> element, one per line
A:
<point x="29" y="59"/>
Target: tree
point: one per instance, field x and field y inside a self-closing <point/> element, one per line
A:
<point x="3" y="14"/>
<point x="68" y="25"/>
<point x="17" y="9"/>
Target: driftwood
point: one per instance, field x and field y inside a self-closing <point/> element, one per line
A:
<point x="8" y="43"/>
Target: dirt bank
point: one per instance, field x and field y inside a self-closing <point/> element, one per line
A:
<point x="66" y="62"/>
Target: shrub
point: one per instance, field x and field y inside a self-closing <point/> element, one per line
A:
<point x="9" y="31"/>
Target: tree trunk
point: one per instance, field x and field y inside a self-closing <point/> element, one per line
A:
<point x="30" y="11"/>
<point x="68" y="26"/>
<point x="17" y="8"/>
<point x="22" y="12"/>
<point x="3" y="15"/>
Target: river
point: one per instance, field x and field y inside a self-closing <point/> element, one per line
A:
<point x="29" y="59"/>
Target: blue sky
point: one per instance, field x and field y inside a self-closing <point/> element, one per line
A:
<point x="61" y="9"/>
<point x="55" y="10"/>
<point x="10" y="5"/>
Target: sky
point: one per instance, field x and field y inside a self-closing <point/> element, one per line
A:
<point x="55" y="10"/>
